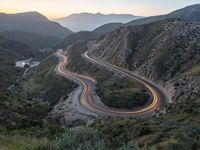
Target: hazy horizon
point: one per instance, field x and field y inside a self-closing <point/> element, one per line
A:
<point x="62" y="8"/>
<point x="74" y="14"/>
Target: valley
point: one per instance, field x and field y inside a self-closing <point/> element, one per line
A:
<point x="117" y="86"/>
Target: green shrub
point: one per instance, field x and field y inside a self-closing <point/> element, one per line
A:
<point x="80" y="139"/>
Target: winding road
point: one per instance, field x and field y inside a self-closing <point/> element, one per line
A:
<point x="87" y="97"/>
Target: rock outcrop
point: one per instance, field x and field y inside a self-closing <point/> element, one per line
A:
<point x="166" y="52"/>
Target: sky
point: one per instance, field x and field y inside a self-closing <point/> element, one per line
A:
<point x="61" y="8"/>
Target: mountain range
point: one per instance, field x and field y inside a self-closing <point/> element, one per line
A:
<point x="36" y="104"/>
<point x="32" y="22"/>
<point x="89" y="21"/>
<point x="189" y="13"/>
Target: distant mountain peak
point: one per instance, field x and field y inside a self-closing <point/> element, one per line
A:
<point x="32" y="15"/>
<point x="89" y="21"/>
<point x="33" y="22"/>
<point x="31" y="12"/>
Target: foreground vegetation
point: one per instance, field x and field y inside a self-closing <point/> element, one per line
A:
<point x="24" y="124"/>
<point x="24" y="121"/>
<point x="178" y="129"/>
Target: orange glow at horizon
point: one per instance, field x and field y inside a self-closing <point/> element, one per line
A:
<point x="61" y="8"/>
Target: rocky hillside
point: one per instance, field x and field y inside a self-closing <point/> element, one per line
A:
<point x="189" y="13"/>
<point x="167" y="52"/>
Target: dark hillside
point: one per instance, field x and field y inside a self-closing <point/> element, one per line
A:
<point x="32" y="22"/>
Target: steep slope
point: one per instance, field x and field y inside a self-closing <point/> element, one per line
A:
<point x="32" y="22"/>
<point x="107" y="28"/>
<point x="13" y="50"/>
<point x="189" y="13"/>
<point x="89" y="21"/>
<point x="165" y="51"/>
<point x="10" y="50"/>
<point x="43" y="84"/>
<point x="80" y="36"/>
<point x="34" y="41"/>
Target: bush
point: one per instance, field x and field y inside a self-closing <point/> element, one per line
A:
<point x="80" y="139"/>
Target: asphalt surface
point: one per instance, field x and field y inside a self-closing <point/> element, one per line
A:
<point x="87" y="97"/>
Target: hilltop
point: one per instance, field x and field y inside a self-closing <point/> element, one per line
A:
<point x="32" y="22"/>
